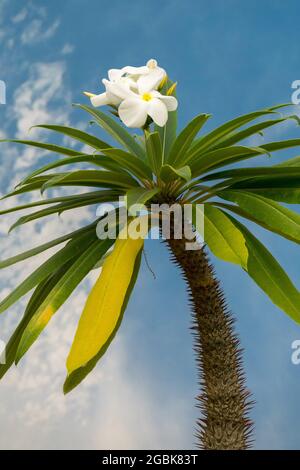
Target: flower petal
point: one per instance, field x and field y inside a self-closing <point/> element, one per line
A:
<point x="121" y="89"/>
<point x="170" y="102"/>
<point x="151" y="80"/>
<point x="157" y="110"/>
<point x="115" y="74"/>
<point x="136" y="70"/>
<point x="99" y="100"/>
<point x="133" y="112"/>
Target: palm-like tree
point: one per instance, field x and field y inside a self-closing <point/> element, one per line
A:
<point x="163" y="166"/>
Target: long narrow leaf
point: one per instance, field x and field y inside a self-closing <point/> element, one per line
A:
<point x="139" y="196"/>
<point x="129" y="162"/>
<point x="223" y="156"/>
<point x="252" y="130"/>
<point x="60" y="293"/>
<point x="169" y="173"/>
<point x="36" y="299"/>
<point x="257" y="261"/>
<point x="102" y="313"/>
<point x="80" y="201"/>
<point x="78" y="375"/>
<point x="77" y="134"/>
<point x="94" y="159"/>
<point x="265" y="212"/>
<point x="223" y="238"/>
<point x="267" y="171"/>
<point x="278" y="188"/>
<point x="45" y="246"/>
<point x="167" y="133"/>
<point x="269" y="275"/>
<point x="91" y="178"/>
<point x="154" y="151"/>
<point x="115" y="130"/>
<point x="61" y="257"/>
<point x="184" y="140"/>
<point x="44" y="145"/>
<point x="217" y="135"/>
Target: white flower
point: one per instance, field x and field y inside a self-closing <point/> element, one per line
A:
<point x="144" y="79"/>
<point x="140" y="79"/>
<point x="152" y="79"/>
<point x="134" y="90"/>
<point x="135" y="108"/>
<point x="109" y="98"/>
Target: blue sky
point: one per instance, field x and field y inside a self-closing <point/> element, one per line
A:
<point x="229" y="57"/>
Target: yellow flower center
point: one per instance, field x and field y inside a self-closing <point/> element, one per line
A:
<point x="147" y="97"/>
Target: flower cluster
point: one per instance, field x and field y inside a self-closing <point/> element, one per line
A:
<point x="133" y="91"/>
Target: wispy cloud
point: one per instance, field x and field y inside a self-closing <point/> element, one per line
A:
<point x="67" y="49"/>
<point x="20" y="16"/>
<point x="40" y="99"/>
<point x="35" y="31"/>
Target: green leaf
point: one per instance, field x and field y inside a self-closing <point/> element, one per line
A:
<point x="91" y="178"/>
<point x="269" y="275"/>
<point x="36" y="299"/>
<point x="45" y="246"/>
<point x="94" y="159"/>
<point x="223" y="237"/>
<point x="45" y="202"/>
<point x="168" y="173"/>
<point x="278" y="188"/>
<point x="154" y="151"/>
<point x="78" y="375"/>
<point x="74" y="203"/>
<point x="42" y="202"/>
<point x="184" y="140"/>
<point x="291" y="162"/>
<point x="253" y="172"/>
<point x="44" y="145"/>
<point x="34" y="185"/>
<point x="215" y="137"/>
<point x="266" y="213"/>
<point x="167" y="133"/>
<point x="231" y="241"/>
<point x="60" y="293"/>
<point x="74" y="247"/>
<point x="130" y="162"/>
<point x="282" y="144"/>
<point x="76" y="134"/>
<point x="139" y="196"/>
<point x="223" y="156"/>
<point x="115" y="130"/>
<point x="252" y="130"/>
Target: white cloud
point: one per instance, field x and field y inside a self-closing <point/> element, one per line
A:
<point x="67" y="49"/>
<point x="35" y="99"/>
<point x="41" y="99"/>
<point x="20" y="16"/>
<point x="35" y="31"/>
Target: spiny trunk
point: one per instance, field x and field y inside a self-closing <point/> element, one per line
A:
<point x="224" y="400"/>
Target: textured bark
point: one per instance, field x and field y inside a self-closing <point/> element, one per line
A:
<point x="224" y="400"/>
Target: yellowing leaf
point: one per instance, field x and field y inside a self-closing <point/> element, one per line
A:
<point x="171" y="90"/>
<point x="103" y="307"/>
